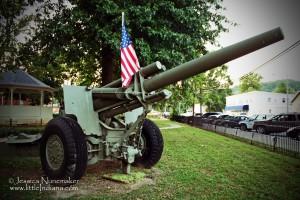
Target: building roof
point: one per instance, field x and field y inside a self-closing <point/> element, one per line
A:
<point x="260" y="93"/>
<point x="295" y="97"/>
<point x="21" y="79"/>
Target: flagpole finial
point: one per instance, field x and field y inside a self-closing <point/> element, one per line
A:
<point x="123" y="18"/>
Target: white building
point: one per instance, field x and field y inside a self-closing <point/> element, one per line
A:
<point x="200" y="108"/>
<point x="296" y="102"/>
<point x="259" y="102"/>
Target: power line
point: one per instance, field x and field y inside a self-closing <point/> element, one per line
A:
<point x="297" y="43"/>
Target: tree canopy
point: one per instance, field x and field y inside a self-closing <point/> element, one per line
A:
<point x="13" y="22"/>
<point x="250" y="82"/>
<point x="81" y="40"/>
<point x="282" y="88"/>
<point x="210" y="89"/>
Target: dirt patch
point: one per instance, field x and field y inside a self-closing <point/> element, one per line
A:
<point x="93" y="184"/>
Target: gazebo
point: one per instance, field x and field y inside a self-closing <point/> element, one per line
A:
<point x="22" y="99"/>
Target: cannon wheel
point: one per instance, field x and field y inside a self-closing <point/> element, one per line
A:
<point x="63" y="150"/>
<point x="152" y="145"/>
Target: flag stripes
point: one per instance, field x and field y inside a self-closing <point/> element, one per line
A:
<point x="129" y="61"/>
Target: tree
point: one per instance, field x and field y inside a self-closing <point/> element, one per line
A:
<point x="250" y="82"/>
<point x="218" y="84"/>
<point x="281" y="88"/>
<point x="13" y="22"/>
<point x="209" y="89"/>
<point x="81" y="42"/>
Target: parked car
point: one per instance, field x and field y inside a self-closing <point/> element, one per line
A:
<point x="187" y="114"/>
<point x="218" y="118"/>
<point x="221" y="120"/>
<point x="205" y="115"/>
<point x="277" y="124"/>
<point x="198" y="114"/>
<point x="234" y="121"/>
<point x="248" y="123"/>
<point x="294" y="132"/>
<point x="210" y="119"/>
<point x="166" y="114"/>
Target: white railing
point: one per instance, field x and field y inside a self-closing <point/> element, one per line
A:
<point x="24" y="114"/>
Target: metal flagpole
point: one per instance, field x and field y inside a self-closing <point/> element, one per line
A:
<point x="123" y="19"/>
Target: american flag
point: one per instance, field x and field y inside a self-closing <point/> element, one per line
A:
<point x="129" y="61"/>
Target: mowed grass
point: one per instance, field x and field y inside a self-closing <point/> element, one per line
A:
<point x="198" y="164"/>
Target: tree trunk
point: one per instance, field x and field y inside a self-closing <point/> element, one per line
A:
<point x="107" y="66"/>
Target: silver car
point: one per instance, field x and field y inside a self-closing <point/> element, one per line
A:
<point x="248" y="124"/>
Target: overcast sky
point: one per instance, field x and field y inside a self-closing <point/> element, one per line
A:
<point x="257" y="16"/>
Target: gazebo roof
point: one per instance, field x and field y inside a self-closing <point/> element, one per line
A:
<point x="21" y="79"/>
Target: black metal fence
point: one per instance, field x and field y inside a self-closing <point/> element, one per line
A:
<point x="277" y="142"/>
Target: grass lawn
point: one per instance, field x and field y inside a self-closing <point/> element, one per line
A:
<point x="198" y="164"/>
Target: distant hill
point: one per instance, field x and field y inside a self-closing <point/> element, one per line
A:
<point x="270" y="86"/>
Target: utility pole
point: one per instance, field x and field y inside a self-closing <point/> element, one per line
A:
<point x="287" y="95"/>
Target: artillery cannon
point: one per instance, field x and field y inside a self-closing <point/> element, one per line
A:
<point x="110" y="122"/>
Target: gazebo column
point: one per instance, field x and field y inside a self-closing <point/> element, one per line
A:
<point x="41" y="106"/>
<point x="20" y="99"/>
<point x="2" y="98"/>
<point x="11" y="96"/>
<point x="42" y="98"/>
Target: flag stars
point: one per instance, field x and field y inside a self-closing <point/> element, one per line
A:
<point x="125" y="38"/>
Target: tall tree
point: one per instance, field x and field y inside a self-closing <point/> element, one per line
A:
<point x="250" y="82"/>
<point x="81" y="41"/>
<point x="217" y="86"/>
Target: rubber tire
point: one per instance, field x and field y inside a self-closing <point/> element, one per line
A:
<point x="295" y="135"/>
<point x="243" y="127"/>
<point x="261" y="130"/>
<point x="72" y="116"/>
<point x="154" y="145"/>
<point x="75" y="150"/>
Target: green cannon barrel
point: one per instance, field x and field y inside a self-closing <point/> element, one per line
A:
<point x="146" y="71"/>
<point x="212" y="60"/>
<point x="124" y="107"/>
